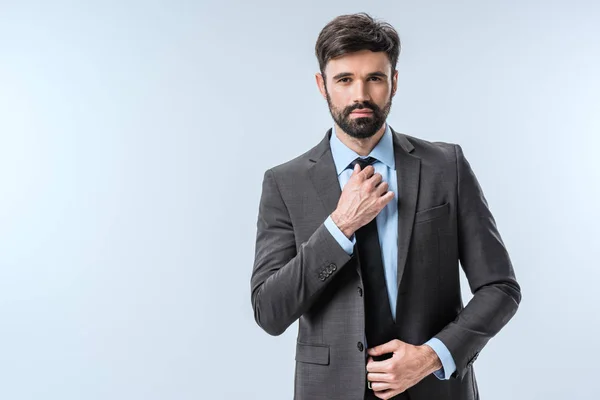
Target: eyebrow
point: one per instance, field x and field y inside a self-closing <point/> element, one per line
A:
<point x="346" y="74"/>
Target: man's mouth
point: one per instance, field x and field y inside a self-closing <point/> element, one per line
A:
<point x="365" y="112"/>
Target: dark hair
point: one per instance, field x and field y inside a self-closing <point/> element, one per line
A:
<point x="354" y="32"/>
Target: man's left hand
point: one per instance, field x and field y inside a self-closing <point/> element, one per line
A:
<point x="407" y="367"/>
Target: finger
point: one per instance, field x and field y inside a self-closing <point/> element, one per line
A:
<point x="382" y="188"/>
<point x="385" y="348"/>
<point x="379" y="366"/>
<point x="380" y="387"/>
<point x="356" y="169"/>
<point x="386" y="198"/>
<point x="368" y="171"/>
<point x="378" y="377"/>
<point x="385" y="394"/>
<point x="375" y="178"/>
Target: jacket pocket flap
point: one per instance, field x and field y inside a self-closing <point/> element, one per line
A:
<point x="312" y="353"/>
<point x="432" y="213"/>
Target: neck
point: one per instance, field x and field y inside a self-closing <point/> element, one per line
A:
<point x="361" y="147"/>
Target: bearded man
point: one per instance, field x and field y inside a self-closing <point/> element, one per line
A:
<point x="360" y="239"/>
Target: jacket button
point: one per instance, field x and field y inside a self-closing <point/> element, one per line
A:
<point x="333" y="266"/>
<point x="360" y="291"/>
<point x="360" y="346"/>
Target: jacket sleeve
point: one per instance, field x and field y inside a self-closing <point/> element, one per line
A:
<point x="286" y="282"/>
<point x="487" y="266"/>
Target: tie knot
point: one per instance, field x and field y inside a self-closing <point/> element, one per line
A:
<point x="363" y="162"/>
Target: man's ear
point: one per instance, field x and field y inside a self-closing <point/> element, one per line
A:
<point x="321" y="84"/>
<point x="394" y="82"/>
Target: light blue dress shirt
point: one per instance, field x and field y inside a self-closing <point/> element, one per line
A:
<point x="387" y="226"/>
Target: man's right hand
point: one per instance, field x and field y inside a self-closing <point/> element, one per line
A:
<point x="363" y="197"/>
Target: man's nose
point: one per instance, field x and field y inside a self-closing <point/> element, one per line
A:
<point x="361" y="92"/>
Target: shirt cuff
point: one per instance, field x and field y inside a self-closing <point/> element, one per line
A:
<point x="448" y="365"/>
<point x="338" y="235"/>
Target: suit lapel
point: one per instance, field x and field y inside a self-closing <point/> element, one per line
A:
<point x="324" y="176"/>
<point x="408" y="170"/>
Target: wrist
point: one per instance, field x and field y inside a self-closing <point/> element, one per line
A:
<point x="343" y="224"/>
<point x="431" y="361"/>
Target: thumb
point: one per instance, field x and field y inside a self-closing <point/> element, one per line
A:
<point x="385" y="348"/>
<point x="356" y="169"/>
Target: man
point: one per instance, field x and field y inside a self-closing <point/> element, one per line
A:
<point x="360" y="239"/>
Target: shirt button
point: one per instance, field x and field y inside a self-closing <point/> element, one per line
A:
<point x="360" y="346"/>
<point x="360" y="291"/>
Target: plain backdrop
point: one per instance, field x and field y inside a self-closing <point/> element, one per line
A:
<point x="133" y="140"/>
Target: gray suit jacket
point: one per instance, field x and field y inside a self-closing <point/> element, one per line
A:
<point x="301" y="272"/>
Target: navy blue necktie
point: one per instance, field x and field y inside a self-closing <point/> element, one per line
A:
<point x="379" y="323"/>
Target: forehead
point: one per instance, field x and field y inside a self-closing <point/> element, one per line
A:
<point x="360" y="63"/>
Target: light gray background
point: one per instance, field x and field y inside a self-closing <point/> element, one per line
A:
<point x="133" y="140"/>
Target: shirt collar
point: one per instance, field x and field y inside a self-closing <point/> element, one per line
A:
<point x="343" y="155"/>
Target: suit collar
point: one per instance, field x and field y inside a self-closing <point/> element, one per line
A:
<point x="398" y="139"/>
<point x="343" y="155"/>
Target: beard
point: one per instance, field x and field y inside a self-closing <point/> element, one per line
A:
<point x="361" y="127"/>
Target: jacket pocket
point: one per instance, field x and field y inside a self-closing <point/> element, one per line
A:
<point x="432" y="213"/>
<point x="312" y="353"/>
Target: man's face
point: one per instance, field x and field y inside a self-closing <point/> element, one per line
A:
<point x="359" y="89"/>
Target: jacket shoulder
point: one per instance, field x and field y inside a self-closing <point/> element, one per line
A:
<point x="432" y="150"/>
<point x="424" y="145"/>
<point x="299" y="164"/>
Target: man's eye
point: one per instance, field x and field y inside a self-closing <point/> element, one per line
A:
<point x="345" y="80"/>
